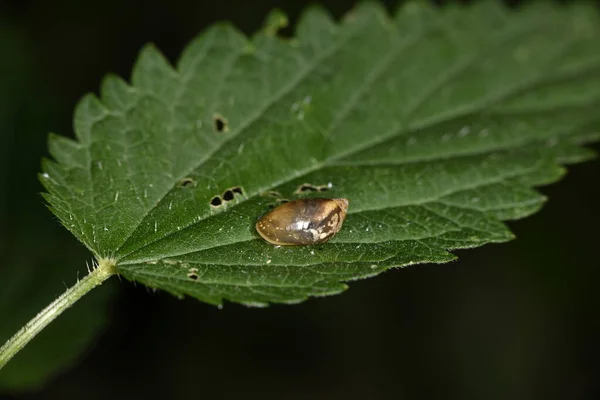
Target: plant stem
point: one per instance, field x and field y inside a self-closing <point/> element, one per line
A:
<point x="104" y="270"/>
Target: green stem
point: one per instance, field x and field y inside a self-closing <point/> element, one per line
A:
<point x="105" y="269"/>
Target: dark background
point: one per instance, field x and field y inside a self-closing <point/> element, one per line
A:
<point x="511" y="321"/>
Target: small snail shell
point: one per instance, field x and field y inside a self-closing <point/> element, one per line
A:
<point x="303" y="222"/>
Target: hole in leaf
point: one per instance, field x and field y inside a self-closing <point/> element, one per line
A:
<point x="278" y="202"/>
<point x="308" y="187"/>
<point x="275" y="22"/>
<point x="185" y="182"/>
<point x="193" y="273"/>
<point x="271" y="193"/>
<point x="228" y="195"/>
<point x="220" y="123"/>
<point x="216" y="201"/>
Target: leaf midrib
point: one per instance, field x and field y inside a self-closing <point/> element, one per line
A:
<point x="350" y="211"/>
<point x="439" y="198"/>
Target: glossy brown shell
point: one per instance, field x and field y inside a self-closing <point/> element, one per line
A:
<point x="303" y="222"/>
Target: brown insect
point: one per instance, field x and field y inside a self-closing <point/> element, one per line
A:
<point x="303" y="222"/>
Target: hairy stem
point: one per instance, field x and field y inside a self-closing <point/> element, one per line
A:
<point x="105" y="269"/>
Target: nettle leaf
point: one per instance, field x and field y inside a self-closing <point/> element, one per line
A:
<point x="435" y="124"/>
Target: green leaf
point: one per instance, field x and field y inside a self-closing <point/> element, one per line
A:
<point x="435" y="124"/>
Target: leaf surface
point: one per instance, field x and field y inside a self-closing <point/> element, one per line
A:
<point x="435" y="124"/>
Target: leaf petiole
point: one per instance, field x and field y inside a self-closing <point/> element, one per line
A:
<point x="104" y="270"/>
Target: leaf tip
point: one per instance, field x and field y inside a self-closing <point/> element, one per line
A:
<point x="274" y="22"/>
<point x="371" y="6"/>
<point x="415" y="8"/>
<point x="63" y="149"/>
<point x="88" y="111"/>
<point x="47" y="166"/>
<point x="314" y="19"/>
<point x="151" y="66"/>
<point x="367" y="9"/>
<point x="116" y="93"/>
<point x="148" y="50"/>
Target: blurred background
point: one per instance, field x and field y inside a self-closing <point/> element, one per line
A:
<point x="510" y="321"/>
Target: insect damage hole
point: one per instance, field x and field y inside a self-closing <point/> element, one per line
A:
<point x="220" y="124"/>
<point x="228" y="195"/>
<point x="271" y="193"/>
<point x="186" y="182"/>
<point x="216" y="201"/>
<point x="193" y="274"/>
<point x="278" y="202"/>
<point x="324" y="188"/>
<point x="308" y="187"/>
